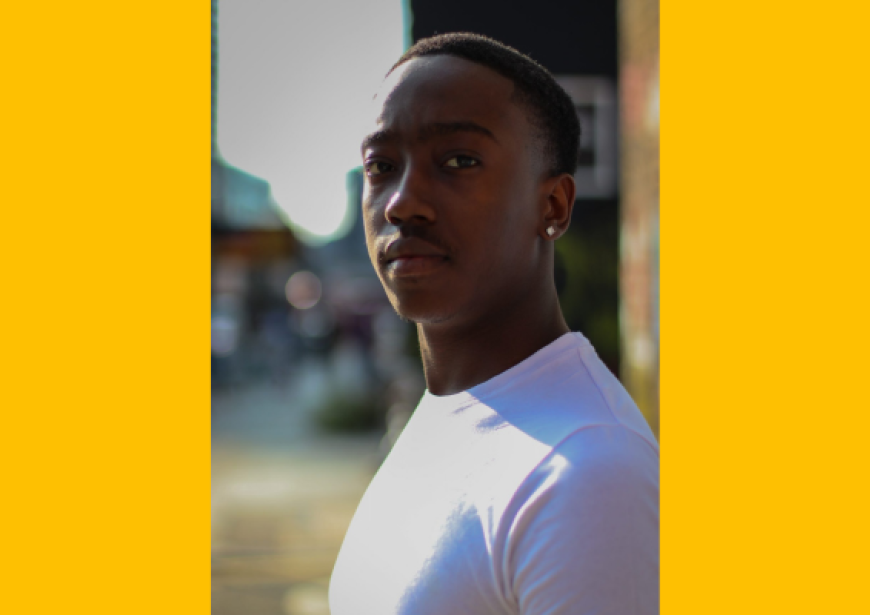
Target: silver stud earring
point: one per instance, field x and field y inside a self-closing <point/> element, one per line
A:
<point x="550" y="231"/>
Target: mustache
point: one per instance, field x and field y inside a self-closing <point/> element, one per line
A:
<point x="423" y="233"/>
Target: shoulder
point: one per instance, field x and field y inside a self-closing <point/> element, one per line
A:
<point x="605" y="449"/>
<point x="585" y="526"/>
<point x="610" y="393"/>
<point x="592" y="466"/>
<point x="565" y="391"/>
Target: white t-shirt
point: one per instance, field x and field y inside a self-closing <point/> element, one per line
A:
<point x="534" y="493"/>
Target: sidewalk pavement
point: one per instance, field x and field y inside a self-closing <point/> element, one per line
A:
<point x="283" y="494"/>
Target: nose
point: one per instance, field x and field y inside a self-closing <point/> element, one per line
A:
<point x="410" y="202"/>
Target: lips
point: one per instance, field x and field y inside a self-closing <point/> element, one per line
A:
<point x="412" y="256"/>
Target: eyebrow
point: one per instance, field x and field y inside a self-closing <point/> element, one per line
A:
<point x="429" y="131"/>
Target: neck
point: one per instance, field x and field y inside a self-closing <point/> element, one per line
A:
<point x="458" y="357"/>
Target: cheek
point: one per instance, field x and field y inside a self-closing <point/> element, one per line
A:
<point x="495" y="251"/>
<point x="372" y="223"/>
<point x="506" y="242"/>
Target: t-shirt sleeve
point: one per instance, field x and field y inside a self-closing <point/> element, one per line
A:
<point x="584" y="537"/>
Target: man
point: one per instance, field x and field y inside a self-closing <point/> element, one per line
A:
<point x="526" y="482"/>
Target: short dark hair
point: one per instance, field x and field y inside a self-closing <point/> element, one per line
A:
<point x="551" y="110"/>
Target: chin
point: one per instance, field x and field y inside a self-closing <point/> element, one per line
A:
<point x="419" y="311"/>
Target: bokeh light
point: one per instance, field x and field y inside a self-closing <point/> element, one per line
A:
<point x="303" y="290"/>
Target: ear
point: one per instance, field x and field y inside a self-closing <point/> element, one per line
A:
<point x="558" y="205"/>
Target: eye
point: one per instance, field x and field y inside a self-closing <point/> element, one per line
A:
<point x="377" y="167"/>
<point x="461" y="162"/>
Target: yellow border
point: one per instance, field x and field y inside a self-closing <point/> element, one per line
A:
<point x="764" y="307"/>
<point x="105" y="252"/>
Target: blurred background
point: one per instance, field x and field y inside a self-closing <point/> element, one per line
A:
<point x="313" y="375"/>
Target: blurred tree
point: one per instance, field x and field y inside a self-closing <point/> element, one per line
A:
<point x="587" y="265"/>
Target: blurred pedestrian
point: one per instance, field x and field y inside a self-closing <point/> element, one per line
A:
<point x="526" y="480"/>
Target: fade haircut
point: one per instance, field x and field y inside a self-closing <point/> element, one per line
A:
<point x="549" y="109"/>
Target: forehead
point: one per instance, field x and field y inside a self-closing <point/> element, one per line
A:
<point x="443" y="89"/>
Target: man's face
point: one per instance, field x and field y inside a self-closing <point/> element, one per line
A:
<point x="453" y="183"/>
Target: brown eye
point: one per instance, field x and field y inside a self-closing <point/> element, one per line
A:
<point x="461" y="162"/>
<point x="377" y="167"/>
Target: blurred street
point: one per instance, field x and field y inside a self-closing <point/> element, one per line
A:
<point x="283" y="494"/>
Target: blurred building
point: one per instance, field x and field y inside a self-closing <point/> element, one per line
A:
<point x="252" y="254"/>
